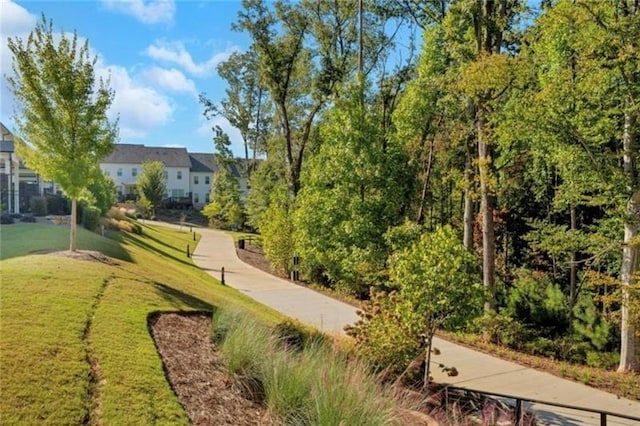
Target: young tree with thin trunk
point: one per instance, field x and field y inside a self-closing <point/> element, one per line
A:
<point x="152" y="184"/>
<point x="61" y="110"/>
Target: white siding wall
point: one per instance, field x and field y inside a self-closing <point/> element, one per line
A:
<point x="202" y="188"/>
<point x="176" y="186"/>
<point x="123" y="174"/>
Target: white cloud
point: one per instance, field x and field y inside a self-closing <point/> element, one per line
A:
<point x="206" y="130"/>
<point x="146" y="11"/>
<point x="171" y="79"/>
<point x="173" y="145"/>
<point x="15" y="21"/>
<point x="139" y="107"/>
<point x="176" y="53"/>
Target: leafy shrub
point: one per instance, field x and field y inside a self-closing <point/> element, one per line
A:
<point x="38" y="206"/>
<point x="605" y="360"/>
<point x="383" y="336"/>
<point x="56" y="205"/>
<point x="6" y="219"/>
<point x="438" y="285"/>
<point x="90" y="217"/>
<point x="276" y="228"/>
<point x="538" y="304"/>
<point x="501" y="330"/>
<point x="588" y="325"/>
<point x="28" y="219"/>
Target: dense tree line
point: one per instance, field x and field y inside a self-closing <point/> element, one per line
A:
<point x="514" y="129"/>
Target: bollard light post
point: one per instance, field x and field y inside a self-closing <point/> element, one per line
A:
<point x="222" y="276"/>
<point x="188" y="254"/>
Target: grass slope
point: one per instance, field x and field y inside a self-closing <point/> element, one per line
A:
<point x="74" y="342"/>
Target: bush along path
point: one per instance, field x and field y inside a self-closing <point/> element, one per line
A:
<point x="476" y="370"/>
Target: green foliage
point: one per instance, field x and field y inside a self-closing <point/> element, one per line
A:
<point x="588" y="325"/>
<point x="151" y="184"/>
<point x="388" y="333"/>
<point x="38" y="206"/>
<point x="353" y="191"/>
<point x="314" y="386"/>
<point x="61" y="111"/>
<point x="268" y="176"/>
<point x="277" y="228"/>
<point x="225" y="208"/>
<point x="90" y="217"/>
<point x="538" y="304"/>
<point x="501" y="330"/>
<point x="103" y="193"/>
<point x="438" y="285"/>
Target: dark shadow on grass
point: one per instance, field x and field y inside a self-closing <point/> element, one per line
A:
<point x="178" y="298"/>
<point x="135" y="240"/>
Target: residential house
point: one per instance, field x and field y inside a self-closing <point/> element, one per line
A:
<point x="124" y="165"/>
<point x="187" y="174"/>
<point x="18" y="183"/>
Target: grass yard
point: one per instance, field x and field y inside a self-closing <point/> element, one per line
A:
<point x="23" y="238"/>
<point x="74" y="341"/>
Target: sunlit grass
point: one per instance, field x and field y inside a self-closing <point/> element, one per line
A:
<point x="21" y="239"/>
<point x="58" y="313"/>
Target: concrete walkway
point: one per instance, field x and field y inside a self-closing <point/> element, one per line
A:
<point x="476" y="370"/>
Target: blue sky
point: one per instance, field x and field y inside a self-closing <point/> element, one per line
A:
<point x="159" y="55"/>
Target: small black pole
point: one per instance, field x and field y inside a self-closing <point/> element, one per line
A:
<point x="188" y="251"/>
<point x="222" y="273"/>
<point x="194" y="236"/>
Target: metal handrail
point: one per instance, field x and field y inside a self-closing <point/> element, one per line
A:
<point x="519" y="400"/>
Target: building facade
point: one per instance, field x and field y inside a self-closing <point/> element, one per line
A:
<point x="187" y="174"/>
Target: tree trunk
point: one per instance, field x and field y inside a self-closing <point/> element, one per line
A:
<point x="573" y="268"/>
<point x="630" y="255"/>
<point x="486" y="209"/>
<point x="467" y="239"/>
<point x="74" y="226"/>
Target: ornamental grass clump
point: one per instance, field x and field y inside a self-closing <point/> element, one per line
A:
<point x="313" y="385"/>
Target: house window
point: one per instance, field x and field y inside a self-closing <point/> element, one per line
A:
<point x="165" y="174"/>
<point x="119" y="172"/>
<point x="107" y="173"/>
<point x="196" y="198"/>
<point x="134" y="172"/>
<point x="177" y="192"/>
<point x="195" y="180"/>
<point x="179" y="175"/>
<point x="206" y="198"/>
<point x="207" y="180"/>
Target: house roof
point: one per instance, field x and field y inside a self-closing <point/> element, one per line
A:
<point x="203" y="162"/>
<point x="206" y="162"/>
<point x="138" y="154"/>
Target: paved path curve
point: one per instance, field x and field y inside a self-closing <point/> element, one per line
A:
<point x="476" y="370"/>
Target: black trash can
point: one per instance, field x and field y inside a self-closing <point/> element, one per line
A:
<point x="241" y="243"/>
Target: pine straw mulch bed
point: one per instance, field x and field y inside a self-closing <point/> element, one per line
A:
<point x="195" y="371"/>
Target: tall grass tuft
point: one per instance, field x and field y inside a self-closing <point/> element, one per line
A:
<point x="314" y="385"/>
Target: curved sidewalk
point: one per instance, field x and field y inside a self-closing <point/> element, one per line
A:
<point x="476" y="370"/>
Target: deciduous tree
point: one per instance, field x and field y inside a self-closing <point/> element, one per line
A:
<point x="61" y="110"/>
<point x="152" y="184"/>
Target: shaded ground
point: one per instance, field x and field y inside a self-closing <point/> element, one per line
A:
<point x="194" y="370"/>
<point x="254" y="256"/>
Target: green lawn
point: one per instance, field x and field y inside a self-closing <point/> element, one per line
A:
<point x="74" y="342"/>
<point x="24" y="238"/>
